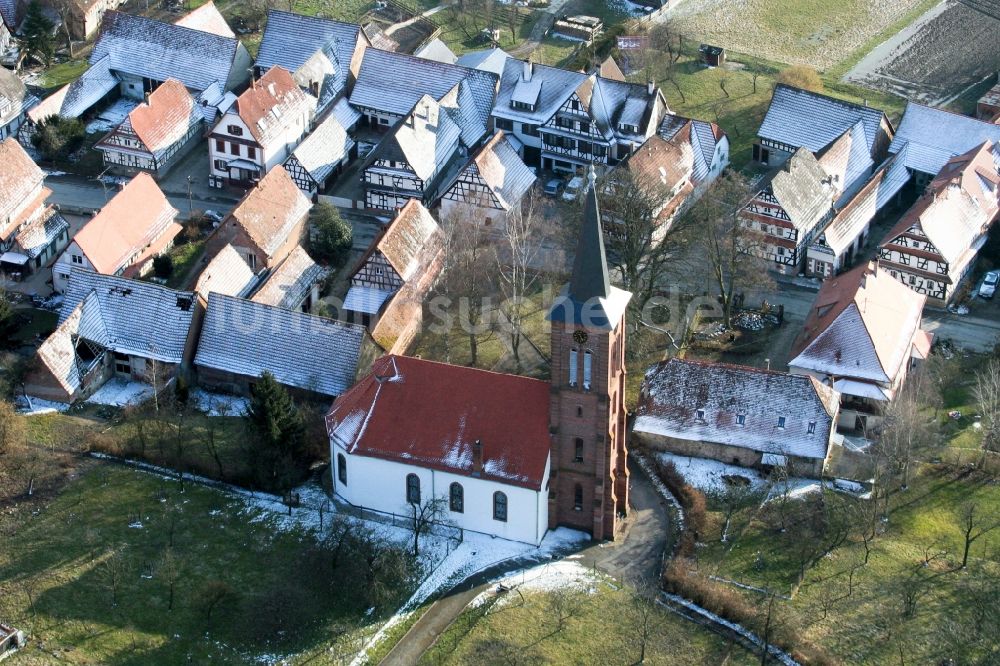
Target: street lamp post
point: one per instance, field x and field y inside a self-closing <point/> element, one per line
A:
<point x="190" y="200"/>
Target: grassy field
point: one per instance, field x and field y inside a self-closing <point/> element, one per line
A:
<point x="911" y="603"/>
<point x="601" y="629"/>
<point x="63" y="73"/>
<point x="89" y="578"/>
<point x="185" y="257"/>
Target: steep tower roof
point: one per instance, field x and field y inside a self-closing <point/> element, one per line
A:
<point x="589" y="299"/>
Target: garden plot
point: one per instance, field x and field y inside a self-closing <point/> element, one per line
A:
<point x="819" y="33"/>
<point x="946" y="51"/>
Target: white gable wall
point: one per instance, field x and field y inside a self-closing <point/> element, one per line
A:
<point x="379" y="484"/>
<point x="64" y="265"/>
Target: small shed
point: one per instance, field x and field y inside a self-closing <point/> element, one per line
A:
<point x="10" y="640"/>
<point x="713" y="56"/>
<point x="579" y="27"/>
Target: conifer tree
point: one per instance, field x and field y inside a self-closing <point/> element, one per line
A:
<point x="277" y="434"/>
<point x="37" y="34"/>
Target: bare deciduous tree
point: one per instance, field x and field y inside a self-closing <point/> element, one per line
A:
<point x="563" y="603"/>
<point x="974" y="523"/>
<point x="113" y="570"/>
<point x="640" y="609"/>
<point x="169" y="570"/>
<point x="212" y="595"/>
<point x="423" y="515"/>
<point x="987" y="395"/>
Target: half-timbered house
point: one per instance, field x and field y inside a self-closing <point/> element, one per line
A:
<point x="709" y="146"/>
<point x="416" y="160"/>
<point x="32" y="232"/>
<point x="933" y="247"/>
<point x="490" y="186"/>
<point x="124" y="237"/>
<point x="155" y="134"/>
<point x="320" y="156"/>
<point x="259" y="131"/>
<point x="15" y="101"/>
<point x="294" y="284"/>
<point x="791" y="206"/>
<point x="390" y="281"/>
<point x="267" y="224"/>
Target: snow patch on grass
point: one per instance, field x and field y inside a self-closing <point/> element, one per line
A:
<point x="119" y="392"/>
<point x="218" y="404"/>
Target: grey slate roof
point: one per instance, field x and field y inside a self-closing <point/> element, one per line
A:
<point x="426" y="146"/>
<point x="9" y="13"/>
<point x="554" y="85"/>
<point x="42" y="233"/>
<point x="798" y="187"/>
<point x="291" y="39"/>
<point x="488" y="60"/>
<point x="289" y="284"/>
<point x="674" y="391"/>
<point x="346" y="114"/>
<point x="144" y="47"/>
<point x="613" y="103"/>
<point x="228" y="273"/>
<point x="393" y="82"/>
<point x="933" y="136"/>
<point x="503" y="171"/>
<point x="130" y="316"/>
<point x="323" y="149"/>
<point x="300" y="350"/>
<point x="703" y="141"/>
<point x="436" y="50"/>
<point x="801" y="118"/>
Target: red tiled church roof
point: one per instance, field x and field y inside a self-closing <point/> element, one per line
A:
<point x="430" y="414"/>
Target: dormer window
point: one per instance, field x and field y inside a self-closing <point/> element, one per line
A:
<point x="781" y="422"/>
<point x="630" y="129"/>
<point x="812" y="428"/>
<point x="700" y="414"/>
<point x="741" y="419"/>
<point x="522" y="106"/>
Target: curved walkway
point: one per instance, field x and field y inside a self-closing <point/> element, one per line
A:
<point x="637" y="554"/>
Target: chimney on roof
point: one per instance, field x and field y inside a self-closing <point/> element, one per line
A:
<point x="477" y="457"/>
<point x="650" y="87"/>
<point x="528" y="69"/>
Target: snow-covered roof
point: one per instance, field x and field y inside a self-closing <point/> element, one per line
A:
<point x="42" y="233"/>
<point x="800" y="186"/>
<point x="152" y="49"/>
<point x="427" y="139"/>
<point x="323" y="149"/>
<point x="290" y="40"/>
<point x="488" y="60"/>
<point x="272" y="104"/>
<point x="19" y="177"/>
<point x="14" y="97"/>
<point x="531" y="83"/>
<point x="228" y="273"/>
<point x="861" y="326"/>
<point x="393" y="83"/>
<point x="431" y="415"/>
<point x="437" y="51"/>
<point x="163" y="121"/>
<point x="288" y="285"/>
<point x="737" y="406"/>
<point x="364" y="299"/>
<point x="933" y="136"/>
<point x="801" y="118"/>
<point x="408" y="241"/>
<point x="346" y="114"/>
<point x="848" y="162"/>
<point x="501" y="170"/>
<point x="74" y="99"/>
<point x="703" y="136"/>
<point x="850" y="221"/>
<point x="207" y="18"/>
<point x="270" y="211"/>
<point x="130" y="316"/>
<point x="301" y="350"/>
<point x="9" y="14"/>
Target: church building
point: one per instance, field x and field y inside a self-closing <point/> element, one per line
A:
<point x="501" y="454"/>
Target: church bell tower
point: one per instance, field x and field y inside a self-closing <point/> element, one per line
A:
<point x="588" y="487"/>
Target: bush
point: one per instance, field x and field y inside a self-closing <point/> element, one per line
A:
<point x="332" y="238"/>
<point x="56" y="137"/>
<point x="801" y="76"/>
<point x="163" y="265"/>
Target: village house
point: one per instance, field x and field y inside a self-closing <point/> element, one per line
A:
<point x="295" y="283"/>
<point x="490" y="187"/>
<point x="124" y="237"/>
<point x="660" y="171"/>
<point x="227" y="273"/>
<point x="928" y="137"/>
<point x="84" y="16"/>
<point x="322" y="155"/>
<point x="988" y="106"/>
<point x="259" y="131"/>
<point x="737" y="414"/>
<point x="390" y="281"/>
<point x="267" y="224"/>
<point x="709" y="147"/>
<point x="15" y="102"/>
<point x="933" y="247"/>
<point x="134" y="55"/>
<point x="207" y="18"/>
<point x="113" y="326"/>
<point x="861" y="337"/>
<point x="799" y="118"/>
<point x="416" y="431"/>
<point x="792" y="205"/>
<point x="390" y="84"/>
<point x="32" y="232"/>
<point x="156" y="134"/>
<point x="416" y="160"/>
<point x="311" y="356"/>
<point x="567" y="120"/>
<point x="323" y="55"/>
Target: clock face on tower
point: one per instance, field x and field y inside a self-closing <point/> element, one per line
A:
<point x="579" y="336"/>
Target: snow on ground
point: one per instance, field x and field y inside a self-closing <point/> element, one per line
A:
<point x="218" y="404"/>
<point x="707" y="476"/>
<point x="120" y="392"/>
<point x="552" y="576"/>
<point x="111" y="117"/>
<point x="38" y="406"/>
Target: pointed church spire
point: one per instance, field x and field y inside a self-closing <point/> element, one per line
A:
<point x="590" y="269"/>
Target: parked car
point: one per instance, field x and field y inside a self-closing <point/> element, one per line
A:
<point x="554" y="187"/>
<point x="573" y="189"/>
<point x="989" y="285"/>
<point x="214" y="216"/>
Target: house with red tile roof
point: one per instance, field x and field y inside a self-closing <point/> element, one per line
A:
<point x="933" y="247"/>
<point x="124" y="237"/>
<point x="32" y="232"/>
<point x="259" y="131"/>
<point x="267" y="224"/>
<point x="861" y="337"/>
<point x="155" y="134"/>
